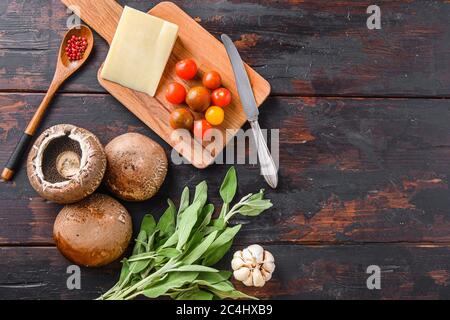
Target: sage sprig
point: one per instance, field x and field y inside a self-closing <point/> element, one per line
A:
<point x="174" y="256"/>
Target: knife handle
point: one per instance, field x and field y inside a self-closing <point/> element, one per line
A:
<point x="268" y="167"/>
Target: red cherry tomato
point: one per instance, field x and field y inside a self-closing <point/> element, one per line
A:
<point x="186" y="69"/>
<point x="212" y="80"/>
<point x="201" y="127"/>
<point x="221" y="97"/>
<point x="175" y="93"/>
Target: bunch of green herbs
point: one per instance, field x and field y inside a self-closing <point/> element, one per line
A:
<point x="173" y="257"/>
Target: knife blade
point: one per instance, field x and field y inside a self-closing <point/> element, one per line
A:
<point x="268" y="167"/>
<point x="242" y="81"/>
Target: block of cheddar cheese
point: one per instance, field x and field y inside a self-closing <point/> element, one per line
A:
<point x="139" y="51"/>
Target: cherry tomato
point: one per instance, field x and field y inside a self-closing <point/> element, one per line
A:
<point x="212" y="80"/>
<point x="201" y="127"/>
<point x="181" y="118"/>
<point x="221" y="97"/>
<point x="186" y="69"/>
<point x="198" y="99"/>
<point x="175" y="93"/>
<point x="214" y="115"/>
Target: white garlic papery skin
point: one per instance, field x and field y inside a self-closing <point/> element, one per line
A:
<point x="253" y="266"/>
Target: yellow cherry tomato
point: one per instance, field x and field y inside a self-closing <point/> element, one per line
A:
<point x="214" y="115"/>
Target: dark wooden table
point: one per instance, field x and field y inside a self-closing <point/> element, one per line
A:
<point x="364" y="145"/>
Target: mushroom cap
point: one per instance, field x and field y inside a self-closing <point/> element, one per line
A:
<point x="66" y="164"/>
<point x="94" y="231"/>
<point x="137" y="167"/>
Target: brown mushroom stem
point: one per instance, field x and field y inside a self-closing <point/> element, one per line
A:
<point x="68" y="164"/>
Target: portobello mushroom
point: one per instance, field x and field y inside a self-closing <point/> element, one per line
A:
<point x="66" y="164"/>
<point x="94" y="231"/>
<point x="137" y="167"/>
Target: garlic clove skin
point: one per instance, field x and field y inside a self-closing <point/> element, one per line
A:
<point x="258" y="279"/>
<point x="257" y="252"/>
<point x="242" y="274"/>
<point x="266" y="275"/>
<point x="237" y="263"/>
<point x="268" y="257"/>
<point x="238" y="254"/>
<point x="247" y="255"/>
<point x="269" y="266"/>
<point x="249" y="281"/>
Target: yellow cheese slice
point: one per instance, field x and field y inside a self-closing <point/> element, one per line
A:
<point x="139" y="51"/>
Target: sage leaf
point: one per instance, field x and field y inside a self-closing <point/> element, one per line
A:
<point x="187" y="222"/>
<point x="229" y="186"/>
<point x="201" y="194"/>
<point x="169" y="252"/>
<point x="254" y="207"/>
<point x="150" y="242"/>
<point x="219" y="223"/>
<point x="215" y="256"/>
<point x="173" y="239"/>
<point x="231" y="294"/>
<point x="226" y="236"/>
<point x="138" y="266"/>
<point x="124" y="271"/>
<point x="214" y="277"/>
<point x="194" y="268"/>
<point x="173" y="280"/>
<point x="225" y="286"/>
<point x="224" y="210"/>
<point x="184" y="201"/>
<point x="205" y="216"/>
<point x="141" y="242"/>
<point x="195" y="239"/>
<point x="220" y="246"/>
<point x="142" y="256"/>
<point x="198" y="251"/>
<point x="195" y="294"/>
<point x="257" y="196"/>
<point x="166" y="224"/>
<point x="148" y="224"/>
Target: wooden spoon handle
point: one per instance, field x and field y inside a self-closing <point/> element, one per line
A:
<point x="24" y="142"/>
<point x="39" y="114"/>
<point x="16" y="157"/>
<point x="102" y="15"/>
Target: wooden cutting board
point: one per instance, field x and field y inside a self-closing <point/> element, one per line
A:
<point x="193" y="42"/>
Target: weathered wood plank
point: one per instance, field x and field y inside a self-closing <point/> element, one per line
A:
<point x="308" y="48"/>
<point x="352" y="170"/>
<point x="302" y="272"/>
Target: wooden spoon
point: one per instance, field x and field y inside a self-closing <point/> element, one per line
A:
<point x="64" y="69"/>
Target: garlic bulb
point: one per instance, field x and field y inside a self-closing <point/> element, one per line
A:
<point x="253" y="266"/>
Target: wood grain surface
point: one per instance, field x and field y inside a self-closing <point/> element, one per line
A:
<point x="363" y="119"/>
<point x="303" y="48"/>
<point x="303" y="272"/>
<point x="370" y="170"/>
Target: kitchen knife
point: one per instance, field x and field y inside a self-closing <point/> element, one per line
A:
<point x="268" y="168"/>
